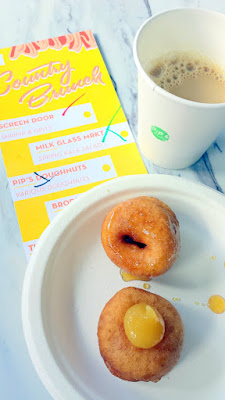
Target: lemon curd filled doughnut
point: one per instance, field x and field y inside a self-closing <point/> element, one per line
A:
<point x="140" y="335"/>
<point x="141" y="236"/>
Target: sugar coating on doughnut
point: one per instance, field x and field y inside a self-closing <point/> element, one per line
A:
<point x="127" y="361"/>
<point x="141" y="236"/>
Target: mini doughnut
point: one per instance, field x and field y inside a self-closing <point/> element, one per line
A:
<point x="122" y="358"/>
<point x="141" y="236"/>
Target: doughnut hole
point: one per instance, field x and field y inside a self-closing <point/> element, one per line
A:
<point x="129" y="240"/>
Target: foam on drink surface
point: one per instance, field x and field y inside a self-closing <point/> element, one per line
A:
<point x="190" y="76"/>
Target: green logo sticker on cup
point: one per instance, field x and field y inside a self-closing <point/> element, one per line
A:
<point x="160" y="133"/>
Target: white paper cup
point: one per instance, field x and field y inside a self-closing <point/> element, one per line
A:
<point x="174" y="132"/>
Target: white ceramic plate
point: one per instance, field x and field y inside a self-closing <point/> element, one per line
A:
<point x="70" y="278"/>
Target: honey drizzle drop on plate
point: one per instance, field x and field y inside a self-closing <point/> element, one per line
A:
<point x="216" y="304"/>
<point x="146" y="286"/>
<point x="129" y="277"/>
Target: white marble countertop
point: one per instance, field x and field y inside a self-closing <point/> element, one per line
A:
<point x="114" y="25"/>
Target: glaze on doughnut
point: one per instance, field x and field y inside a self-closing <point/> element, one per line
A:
<point x="127" y="361"/>
<point x="141" y="236"/>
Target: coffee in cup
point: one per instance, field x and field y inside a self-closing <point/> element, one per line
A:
<point x="190" y="76"/>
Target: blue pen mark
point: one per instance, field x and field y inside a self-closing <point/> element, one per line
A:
<point x="110" y="130"/>
<point x="46" y="180"/>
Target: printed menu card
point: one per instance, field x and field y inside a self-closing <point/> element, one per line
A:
<point x="62" y="128"/>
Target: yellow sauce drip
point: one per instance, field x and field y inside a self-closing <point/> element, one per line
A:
<point x="216" y="303"/>
<point x="144" y="326"/>
<point x="129" y="277"/>
<point x="146" y="286"/>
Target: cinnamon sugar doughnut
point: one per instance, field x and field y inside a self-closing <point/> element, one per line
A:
<point x="141" y="236"/>
<point x="123" y="359"/>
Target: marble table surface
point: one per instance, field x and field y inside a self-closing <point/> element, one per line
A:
<point x="114" y="25"/>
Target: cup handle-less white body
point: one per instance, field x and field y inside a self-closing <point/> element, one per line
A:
<point x="174" y="132"/>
